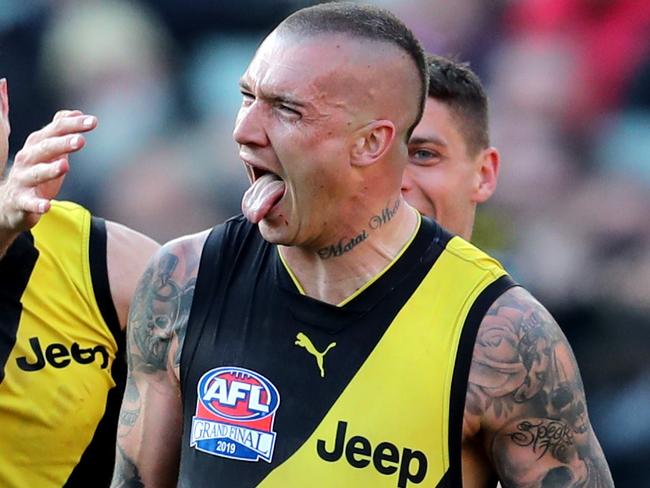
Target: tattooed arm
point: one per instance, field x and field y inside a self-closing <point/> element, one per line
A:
<point x="526" y="404"/>
<point x="149" y="430"/>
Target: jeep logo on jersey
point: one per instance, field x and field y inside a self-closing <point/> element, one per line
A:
<point x="59" y="356"/>
<point x="235" y="410"/>
<point x="385" y="457"/>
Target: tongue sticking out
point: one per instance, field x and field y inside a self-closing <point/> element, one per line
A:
<point x="260" y="198"/>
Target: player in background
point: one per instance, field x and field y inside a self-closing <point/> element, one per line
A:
<point x="452" y="167"/>
<point x="66" y="282"/>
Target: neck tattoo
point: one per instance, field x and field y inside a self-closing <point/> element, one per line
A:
<point x="346" y="244"/>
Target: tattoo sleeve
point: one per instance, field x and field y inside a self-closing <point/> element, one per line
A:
<point x="149" y="422"/>
<point x="159" y="314"/>
<point x="526" y="392"/>
<point x="130" y="478"/>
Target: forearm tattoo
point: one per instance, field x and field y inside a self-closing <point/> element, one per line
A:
<point x="524" y="380"/>
<point x="130" y="410"/>
<point x="126" y="472"/>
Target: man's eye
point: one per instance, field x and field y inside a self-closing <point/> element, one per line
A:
<point x="288" y="110"/>
<point x="247" y="98"/>
<point x="423" y="156"/>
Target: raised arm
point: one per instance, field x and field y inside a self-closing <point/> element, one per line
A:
<point x="149" y="431"/>
<point x="526" y="401"/>
<point x="38" y="171"/>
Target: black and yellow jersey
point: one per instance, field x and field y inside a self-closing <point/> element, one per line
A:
<point x="281" y="390"/>
<point x="59" y="339"/>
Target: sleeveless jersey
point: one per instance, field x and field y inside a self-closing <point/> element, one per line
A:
<point x="282" y="390"/>
<point x="59" y="338"/>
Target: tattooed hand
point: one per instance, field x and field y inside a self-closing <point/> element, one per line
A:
<point x="526" y="402"/>
<point x="148" y="444"/>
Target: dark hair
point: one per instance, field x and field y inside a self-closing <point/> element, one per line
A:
<point x="457" y="86"/>
<point x="364" y="22"/>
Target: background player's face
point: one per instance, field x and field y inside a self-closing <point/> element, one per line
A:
<point x="442" y="180"/>
<point x="296" y="120"/>
<point x="4" y="124"/>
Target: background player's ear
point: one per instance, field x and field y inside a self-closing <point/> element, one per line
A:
<point x="372" y="142"/>
<point x="487" y="174"/>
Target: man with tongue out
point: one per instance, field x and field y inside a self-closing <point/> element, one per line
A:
<point x="325" y="337"/>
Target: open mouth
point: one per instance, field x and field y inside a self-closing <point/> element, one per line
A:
<point x="266" y="190"/>
<point x="255" y="172"/>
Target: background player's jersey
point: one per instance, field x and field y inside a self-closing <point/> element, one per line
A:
<point x="281" y="390"/>
<point x="57" y="347"/>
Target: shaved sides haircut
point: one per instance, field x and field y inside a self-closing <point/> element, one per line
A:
<point x="458" y="87"/>
<point x="362" y="22"/>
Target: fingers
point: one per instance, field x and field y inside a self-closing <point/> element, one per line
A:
<point x="42" y="173"/>
<point x="65" y="122"/>
<point x="25" y="197"/>
<point x="66" y="113"/>
<point x="60" y="137"/>
<point x="32" y="204"/>
<point x="76" y="122"/>
<point x="49" y="149"/>
<point x="39" y="167"/>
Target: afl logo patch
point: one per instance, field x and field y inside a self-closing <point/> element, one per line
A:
<point x="235" y="410"/>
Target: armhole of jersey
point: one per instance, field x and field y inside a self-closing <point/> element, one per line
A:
<point x="101" y="446"/>
<point x="99" y="275"/>
<point x="461" y="373"/>
<point x="205" y="281"/>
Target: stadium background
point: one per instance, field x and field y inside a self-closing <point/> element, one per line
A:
<point x="569" y="83"/>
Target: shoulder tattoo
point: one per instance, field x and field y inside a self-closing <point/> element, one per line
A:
<point x="160" y="311"/>
<point x="525" y="385"/>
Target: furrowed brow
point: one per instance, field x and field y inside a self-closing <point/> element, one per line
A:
<point x="284" y="99"/>
<point x="245" y="86"/>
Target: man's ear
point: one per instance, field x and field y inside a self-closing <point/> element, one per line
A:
<point x="371" y="142"/>
<point x="4" y="102"/>
<point x="487" y="174"/>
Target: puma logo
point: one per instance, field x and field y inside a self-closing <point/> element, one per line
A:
<point x="303" y="341"/>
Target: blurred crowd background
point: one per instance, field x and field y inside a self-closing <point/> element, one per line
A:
<point x="569" y="86"/>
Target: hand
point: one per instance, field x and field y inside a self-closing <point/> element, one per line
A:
<point x="39" y="169"/>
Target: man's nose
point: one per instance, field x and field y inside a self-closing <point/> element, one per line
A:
<point x="249" y="126"/>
